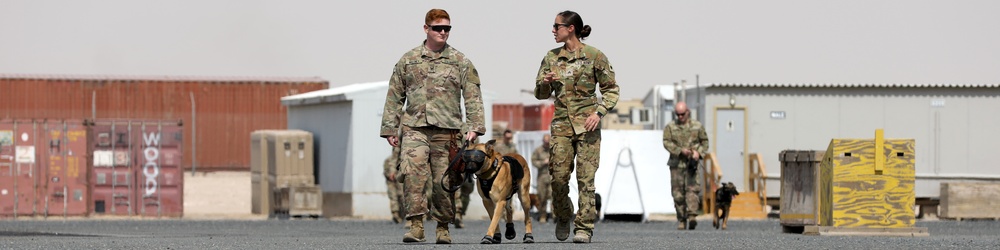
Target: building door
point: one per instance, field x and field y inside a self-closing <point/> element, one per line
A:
<point x="730" y="144"/>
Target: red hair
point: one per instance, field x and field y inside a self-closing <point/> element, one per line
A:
<point x="435" y="14"/>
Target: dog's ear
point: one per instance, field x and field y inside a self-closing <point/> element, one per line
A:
<point x="489" y="146"/>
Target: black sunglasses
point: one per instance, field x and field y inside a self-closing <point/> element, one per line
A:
<point x="681" y="114"/>
<point x="556" y="25"/>
<point x="439" y="28"/>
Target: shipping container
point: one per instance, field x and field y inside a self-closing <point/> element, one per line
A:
<point x="538" y="117"/>
<point x="137" y="167"/>
<point x="43" y="168"/>
<point x="218" y="113"/>
<point x="513" y="114"/>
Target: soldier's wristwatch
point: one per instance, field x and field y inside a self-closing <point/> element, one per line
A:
<point x="599" y="114"/>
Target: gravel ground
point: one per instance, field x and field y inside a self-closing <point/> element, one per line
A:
<point x="370" y="234"/>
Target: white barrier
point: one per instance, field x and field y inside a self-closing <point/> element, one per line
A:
<point x="646" y="164"/>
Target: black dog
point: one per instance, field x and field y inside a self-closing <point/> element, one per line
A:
<point x="723" y="199"/>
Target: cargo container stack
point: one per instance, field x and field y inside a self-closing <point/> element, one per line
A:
<point x="283" y="182"/>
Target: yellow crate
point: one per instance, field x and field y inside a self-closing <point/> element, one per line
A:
<point x="868" y="183"/>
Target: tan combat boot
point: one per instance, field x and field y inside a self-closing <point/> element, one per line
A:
<point x="458" y="221"/>
<point x="682" y="225"/>
<point x="443" y="237"/>
<point x="416" y="233"/>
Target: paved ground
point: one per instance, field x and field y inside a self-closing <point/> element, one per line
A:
<point x="368" y="234"/>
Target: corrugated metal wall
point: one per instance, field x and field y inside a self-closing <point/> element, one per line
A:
<point x="227" y="109"/>
<point x="952" y="125"/>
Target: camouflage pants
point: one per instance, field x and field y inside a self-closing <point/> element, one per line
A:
<point x="462" y="197"/>
<point x="586" y="148"/>
<point x="395" y="198"/>
<point x="424" y="159"/>
<point x="544" y="190"/>
<point x="686" y="188"/>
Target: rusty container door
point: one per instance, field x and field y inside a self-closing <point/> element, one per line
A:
<point x="65" y="188"/>
<point x="20" y="166"/>
<point x="17" y="168"/>
<point x="112" y="179"/>
<point x="158" y="172"/>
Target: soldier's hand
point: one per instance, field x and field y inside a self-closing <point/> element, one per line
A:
<point x="592" y="122"/>
<point x="686" y="152"/>
<point x="471" y="137"/>
<point x="393" y="140"/>
<point x="695" y="155"/>
<point x="549" y="77"/>
<point x="392" y="177"/>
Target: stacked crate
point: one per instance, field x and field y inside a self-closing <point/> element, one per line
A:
<point x="282" y="175"/>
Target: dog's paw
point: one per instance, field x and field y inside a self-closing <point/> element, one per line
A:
<point x="496" y="238"/>
<point x="715" y="224"/>
<point x="528" y="238"/>
<point x="510" y="233"/>
<point x="486" y="240"/>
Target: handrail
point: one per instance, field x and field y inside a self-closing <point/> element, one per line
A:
<point x="758" y="174"/>
<point x="712" y="175"/>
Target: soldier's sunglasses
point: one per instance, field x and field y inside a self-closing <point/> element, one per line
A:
<point x="555" y="26"/>
<point x="682" y="114"/>
<point x="439" y="28"/>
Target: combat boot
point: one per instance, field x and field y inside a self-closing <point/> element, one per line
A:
<point x="562" y="229"/>
<point x="682" y="225"/>
<point x="458" y="221"/>
<point x="581" y="237"/>
<point x="416" y="233"/>
<point x="443" y="237"/>
<point x="692" y="222"/>
<point x="407" y="225"/>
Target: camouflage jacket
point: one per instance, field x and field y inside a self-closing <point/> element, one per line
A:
<point x="540" y="156"/>
<point x="505" y="148"/>
<point x="579" y="74"/>
<point x="432" y="85"/>
<point x="677" y="137"/>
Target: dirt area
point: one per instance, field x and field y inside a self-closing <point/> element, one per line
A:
<point x="218" y="195"/>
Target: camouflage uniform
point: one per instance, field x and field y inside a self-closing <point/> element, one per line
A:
<point x="506" y="148"/>
<point x="539" y="159"/>
<point x="393" y="188"/>
<point x="579" y="74"/>
<point x="684" y="182"/>
<point x="432" y="84"/>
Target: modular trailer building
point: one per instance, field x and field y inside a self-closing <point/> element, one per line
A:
<point x="954" y="125"/>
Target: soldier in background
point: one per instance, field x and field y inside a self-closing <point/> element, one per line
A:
<point x="507" y="145"/>
<point x="687" y="143"/>
<point x="433" y="79"/>
<point x="572" y="74"/>
<point x="540" y="159"/>
<point x="393" y="188"/>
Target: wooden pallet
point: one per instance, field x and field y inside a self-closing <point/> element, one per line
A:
<point x="861" y="231"/>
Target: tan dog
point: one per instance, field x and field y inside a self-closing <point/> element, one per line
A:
<point x="500" y="177"/>
<point x="723" y="200"/>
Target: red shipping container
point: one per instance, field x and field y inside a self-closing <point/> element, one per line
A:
<point x="137" y="167"/>
<point x="538" y="117"/>
<point x="225" y="109"/>
<point x="513" y="114"/>
<point x="43" y="168"/>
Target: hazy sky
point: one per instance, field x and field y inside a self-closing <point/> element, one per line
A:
<point x="656" y="42"/>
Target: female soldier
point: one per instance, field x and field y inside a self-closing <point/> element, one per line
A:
<point x="571" y="73"/>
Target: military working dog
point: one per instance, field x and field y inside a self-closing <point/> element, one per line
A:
<point x="723" y="200"/>
<point x="500" y="177"/>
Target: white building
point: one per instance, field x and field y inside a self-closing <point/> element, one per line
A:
<point x="345" y="123"/>
<point x="955" y="126"/>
